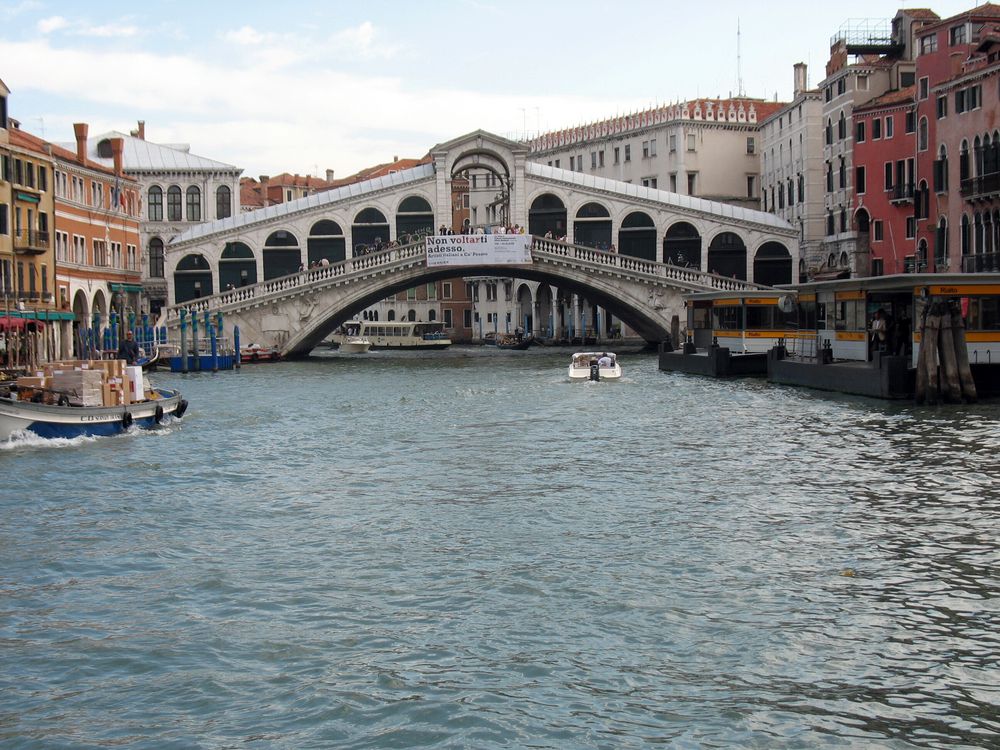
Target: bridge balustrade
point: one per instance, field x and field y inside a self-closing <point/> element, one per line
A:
<point x="686" y="276"/>
<point x="314" y="278"/>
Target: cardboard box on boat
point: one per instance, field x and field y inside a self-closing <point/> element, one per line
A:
<point x="83" y="387"/>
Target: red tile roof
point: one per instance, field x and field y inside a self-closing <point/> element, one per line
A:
<point x="899" y="96"/>
<point x="760" y="108"/>
<point x="32" y="142"/>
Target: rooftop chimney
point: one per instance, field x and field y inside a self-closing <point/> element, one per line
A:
<point x="80" y="131"/>
<point x="329" y="175"/>
<point x="117" y="146"/>
<point x="263" y="179"/>
<point x="800" y="78"/>
<point x="142" y="130"/>
<point x="395" y="159"/>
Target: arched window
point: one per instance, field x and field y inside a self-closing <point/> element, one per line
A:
<point x="156" y="257"/>
<point x="941" y="170"/>
<point x="173" y="203"/>
<point x="963" y="162"/>
<point x="941" y="245"/>
<point x="966" y="236"/>
<point x="842" y="127"/>
<point x="156" y="203"/>
<point x="391" y="315"/>
<point x="193" y="203"/>
<point x="411" y="315"/>
<point x="922" y="137"/>
<point x="432" y="315"/>
<point x="223" y="202"/>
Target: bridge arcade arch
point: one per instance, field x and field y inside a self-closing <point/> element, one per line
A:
<point x="237" y="266"/>
<point x="282" y="254"/>
<point x="326" y="241"/>
<point x="637" y="237"/>
<point x="592" y="226"/>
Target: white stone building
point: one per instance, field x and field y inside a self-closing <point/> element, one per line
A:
<point x="792" y="169"/>
<point x="179" y="190"/>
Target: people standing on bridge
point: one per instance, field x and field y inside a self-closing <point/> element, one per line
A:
<point x="612" y="249"/>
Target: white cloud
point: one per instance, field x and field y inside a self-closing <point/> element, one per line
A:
<point x="245" y="35"/>
<point x="9" y="10"/>
<point x="107" y="30"/>
<point x="54" y="23"/>
<point x="275" y="119"/>
<point x="363" y="41"/>
<point x="78" y="28"/>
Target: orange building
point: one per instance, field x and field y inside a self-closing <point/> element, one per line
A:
<point x="95" y="238"/>
<point x="27" y="261"/>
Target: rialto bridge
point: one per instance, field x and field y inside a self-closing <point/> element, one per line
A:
<point x="249" y="266"/>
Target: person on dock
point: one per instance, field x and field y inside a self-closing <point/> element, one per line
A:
<point x="128" y="349"/>
<point x="879" y="330"/>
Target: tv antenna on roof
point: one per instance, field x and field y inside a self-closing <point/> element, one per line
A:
<point x="739" y="62"/>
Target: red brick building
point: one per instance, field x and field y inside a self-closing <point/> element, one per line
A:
<point x="885" y="165"/>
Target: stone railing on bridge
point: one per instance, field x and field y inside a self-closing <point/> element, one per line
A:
<point x="364" y="265"/>
<point x="691" y="278"/>
<point x="309" y="280"/>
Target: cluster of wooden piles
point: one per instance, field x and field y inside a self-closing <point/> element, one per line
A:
<point x="943" y="371"/>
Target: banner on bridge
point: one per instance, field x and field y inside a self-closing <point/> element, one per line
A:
<point x="478" y="250"/>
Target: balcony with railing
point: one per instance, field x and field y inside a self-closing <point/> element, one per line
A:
<point x="982" y="187"/>
<point x="982" y="263"/>
<point x="902" y="193"/>
<point x="31" y="241"/>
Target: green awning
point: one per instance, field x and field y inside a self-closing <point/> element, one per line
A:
<point x="25" y="197"/>
<point x="42" y="315"/>
<point x="126" y="288"/>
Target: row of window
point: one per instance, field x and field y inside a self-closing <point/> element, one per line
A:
<point x="74" y="188"/>
<point x="957" y="35"/>
<point x="648" y="152"/>
<point x="14" y="275"/>
<point x="29" y="224"/>
<point x="24" y="173"/>
<point x="105" y="254"/>
<point x="191" y="200"/>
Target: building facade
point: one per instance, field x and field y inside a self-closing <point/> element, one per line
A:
<point x="958" y="142"/>
<point x="179" y="190"/>
<point x="96" y="238"/>
<point x="27" y="214"/>
<point x="705" y="147"/>
<point x="884" y="170"/>
<point x="792" y="175"/>
<point x="867" y="60"/>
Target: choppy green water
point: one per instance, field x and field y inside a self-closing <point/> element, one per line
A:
<point x="462" y="549"/>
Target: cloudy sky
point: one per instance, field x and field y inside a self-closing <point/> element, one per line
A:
<point x="302" y="86"/>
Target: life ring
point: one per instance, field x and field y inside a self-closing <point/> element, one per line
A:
<point x="127" y="420"/>
<point x="182" y="406"/>
<point x="158" y="414"/>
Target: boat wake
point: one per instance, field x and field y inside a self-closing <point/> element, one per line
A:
<point x="25" y="439"/>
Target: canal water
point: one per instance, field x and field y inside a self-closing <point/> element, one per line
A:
<point x="464" y="550"/>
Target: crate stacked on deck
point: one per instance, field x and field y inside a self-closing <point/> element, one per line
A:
<point x="84" y="382"/>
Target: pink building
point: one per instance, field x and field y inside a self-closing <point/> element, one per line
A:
<point x="885" y="164"/>
<point x="957" y="195"/>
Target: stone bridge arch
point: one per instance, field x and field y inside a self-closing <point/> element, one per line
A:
<point x="638" y="309"/>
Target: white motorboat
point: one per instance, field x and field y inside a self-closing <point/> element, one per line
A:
<point x="594" y="366"/>
<point x="355" y="345"/>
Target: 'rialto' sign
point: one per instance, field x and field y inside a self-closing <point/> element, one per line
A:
<point x="478" y="250"/>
